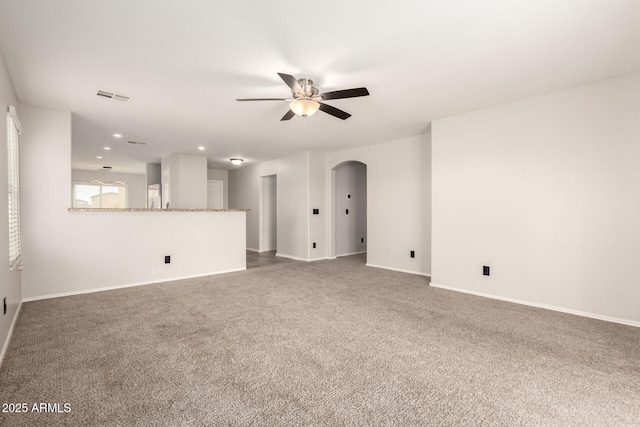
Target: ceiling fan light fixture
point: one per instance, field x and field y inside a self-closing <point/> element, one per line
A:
<point x="304" y="107"/>
<point x="237" y="162"/>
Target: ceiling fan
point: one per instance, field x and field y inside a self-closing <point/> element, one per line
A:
<point x="307" y="99"/>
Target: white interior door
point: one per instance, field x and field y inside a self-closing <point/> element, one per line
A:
<point x="214" y="194"/>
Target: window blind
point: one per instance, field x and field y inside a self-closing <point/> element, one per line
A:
<point x="13" y="163"/>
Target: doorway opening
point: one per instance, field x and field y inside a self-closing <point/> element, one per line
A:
<point x="349" y="216"/>
<point x="268" y="214"/>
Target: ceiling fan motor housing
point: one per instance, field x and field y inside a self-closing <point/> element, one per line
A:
<point x="308" y="89"/>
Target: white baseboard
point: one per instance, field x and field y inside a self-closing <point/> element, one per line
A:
<point x="545" y="306"/>
<point x="351" y="253"/>
<point x="291" y="257"/>
<point x="319" y="259"/>
<point x="5" y="347"/>
<point x="128" y="285"/>
<point x="419" y="273"/>
<point x="253" y="250"/>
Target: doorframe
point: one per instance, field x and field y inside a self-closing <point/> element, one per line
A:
<point x="261" y="200"/>
<point x="333" y="206"/>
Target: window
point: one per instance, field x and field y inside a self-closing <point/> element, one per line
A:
<point x="97" y="194"/>
<point x="13" y="162"/>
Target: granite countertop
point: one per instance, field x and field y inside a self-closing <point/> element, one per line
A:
<point x="152" y="210"/>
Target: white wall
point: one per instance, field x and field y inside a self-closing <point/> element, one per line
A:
<point x="153" y="173"/>
<point x="70" y="252"/>
<point x="10" y="280"/>
<point x="188" y="181"/>
<point x="292" y="202"/>
<point x="398" y="201"/>
<point x="193" y="182"/>
<point x="546" y="192"/>
<point x="136" y="184"/>
<point x="221" y="175"/>
<point x="170" y="180"/>
<point x="269" y="213"/>
<point x="351" y="228"/>
<point x="318" y="199"/>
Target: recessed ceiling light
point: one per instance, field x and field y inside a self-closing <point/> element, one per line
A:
<point x="237" y="162"/>
<point x="117" y="135"/>
<point x="98" y="157"/>
<point x="201" y="148"/>
<point x="107" y="148"/>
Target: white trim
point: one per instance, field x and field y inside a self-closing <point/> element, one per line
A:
<point x="419" y="273"/>
<point x="351" y="253"/>
<point x="297" y="258"/>
<point x="252" y="250"/>
<point x="14" y="115"/>
<point x="129" y="285"/>
<point x="5" y="347"/>
<point x="13" y="185"/>
<point x="309" y="214"/>
<point x="302" y="259"/>
<point x="544" y="306"/>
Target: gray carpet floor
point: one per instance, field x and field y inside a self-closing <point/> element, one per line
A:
<point x="324" y="343"/>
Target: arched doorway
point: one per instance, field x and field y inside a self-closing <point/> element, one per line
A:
<point x="349" y="216"/>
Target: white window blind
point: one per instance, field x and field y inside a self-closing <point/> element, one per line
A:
<point x="13" y="160"/>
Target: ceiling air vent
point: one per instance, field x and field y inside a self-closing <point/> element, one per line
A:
<point x="136" y="143"/>
<point x="114" y="96"/>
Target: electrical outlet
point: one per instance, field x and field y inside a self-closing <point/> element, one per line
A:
<point x="486" y="270"/>
<point x="314" y="245"/>
<point x="413" y="254"/>
<point x="167" y="259"/>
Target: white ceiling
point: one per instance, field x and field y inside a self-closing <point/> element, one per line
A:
<point x="186" y="62"/>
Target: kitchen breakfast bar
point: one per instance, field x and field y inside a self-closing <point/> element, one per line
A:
<point x="113" y="248"/>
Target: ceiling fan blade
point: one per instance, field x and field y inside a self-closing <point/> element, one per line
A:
<point x="263" y="99"/>
<point x="291" y="82"/>
<point x="288" y="116"/>
<point x="334" y="111"/>
<point x="346" y="93"/>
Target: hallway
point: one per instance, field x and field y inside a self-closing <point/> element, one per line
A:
<point x="260" y="259"/>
